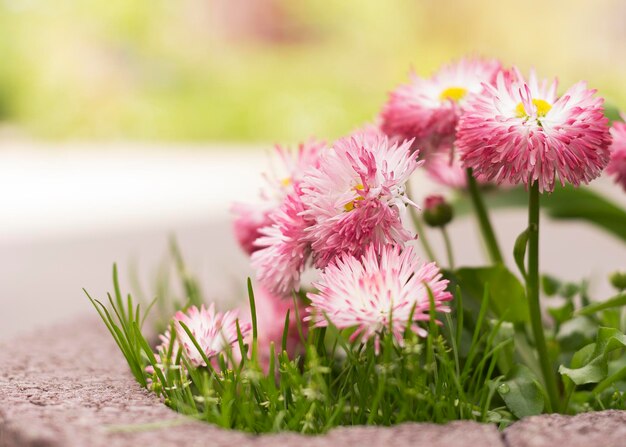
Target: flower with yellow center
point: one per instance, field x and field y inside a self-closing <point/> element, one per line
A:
<point x="351" y="204"/>
<point x="454" y="94"/>
<point x="543" y="107"/>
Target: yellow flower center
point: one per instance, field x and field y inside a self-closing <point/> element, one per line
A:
<point x="543" y="107"/>
<point x="453" y="93"/>
<point x="351" y="204"/>
<point x="286" y="182"/>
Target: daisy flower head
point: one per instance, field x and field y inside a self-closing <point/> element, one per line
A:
<point x="444" y="167"/>
<point x="215" y="332"/>
<point x="247" y="223"/>
<point x="617" y="165"/>
<point x="357" y="197"/>
<point x="283" y="248"/>
<point x="288" y="168"/>
<point x="378" y="291"/>
<point x="521" y="132"/>
<point x="285" y="173"/>
<point x="428" y="109"/>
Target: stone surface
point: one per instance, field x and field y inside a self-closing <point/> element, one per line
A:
<point x="68" y="385"/>
<point x="600" y="429"/>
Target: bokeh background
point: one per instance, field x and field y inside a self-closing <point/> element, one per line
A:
<point x="267" y="70"/>
<point x="124" y="122"/>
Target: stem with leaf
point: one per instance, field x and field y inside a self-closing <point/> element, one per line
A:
<point x="483" y="220"/>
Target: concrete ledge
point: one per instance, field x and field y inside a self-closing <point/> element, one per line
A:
<point x="68" y="385"/>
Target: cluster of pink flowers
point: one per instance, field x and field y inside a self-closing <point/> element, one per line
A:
<point x="509" y="129"/>
<point x="351" y="197"/>
<point x="348" y="207"/>
<point x="340" y="208"/>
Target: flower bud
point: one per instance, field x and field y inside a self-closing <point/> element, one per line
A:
<point x="437" y="212"/>
<point x="618" y="280"/>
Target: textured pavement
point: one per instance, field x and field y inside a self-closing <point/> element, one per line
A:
<point x="68" y="385"/>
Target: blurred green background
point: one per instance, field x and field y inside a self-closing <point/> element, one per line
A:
<point x="271" y="70"/>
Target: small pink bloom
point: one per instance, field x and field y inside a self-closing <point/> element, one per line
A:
<point x="520" y="131"/>
<point x="283" y="247"/>
<point x="357" y="197"/>
<point x="428" y="109"/>
<point x="377" y="291"/>
<point x="249" y="219"/>
<point x="215" y="332"/>
<point x="617" y="165"/>
<point x="433" y="201"/>
<point x="288" y="168"/>
<point x="444" y="167"/>
<point x="283" y="177"/>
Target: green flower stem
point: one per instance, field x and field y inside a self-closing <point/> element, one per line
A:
<point x="532" y="288"/>
<point x="446" y="240"/>
<point x="419" y="228"/>
<point x="483" y="220"/>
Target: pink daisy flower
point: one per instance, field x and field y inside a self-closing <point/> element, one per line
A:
<point x="428" y="109"/>
<point x="357" y="197"/>
<point x="378" y="291"/>
<point x="283" y="247"/>
<point x="522" y="132"/>
<point x="284" y="175"/>
<point x="215" y="332"/>
<point x="249" y="219"/>
<point x="617" y="165"/>
<point x="444" y="167"/>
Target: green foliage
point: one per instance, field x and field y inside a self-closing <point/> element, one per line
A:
<point x="522" y="392"/>
<point x="506" y="294"/>
<point x="333" y="381"/>
<point x="590" y="364"/>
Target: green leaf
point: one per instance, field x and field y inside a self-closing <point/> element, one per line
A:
<point x="550" y="285"/>
<point x="563" y="313"/>
<point x="522" y="393"/>
<point x="590" y="364"/>
<point x="616" y="301"/>
<point x="519" y="251"/>
<point x="575" y="333"/>
<point x="507" y="297"/>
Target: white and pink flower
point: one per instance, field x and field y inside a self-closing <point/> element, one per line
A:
<point x="427" y="109"/>
<point x="377" y="291"/>
<point x="283" y="248"/>
<point x="521" y="132"/>
<point x="215" y="332"/>
<point x="280" y="181"/>
<point x="356" y="197"/>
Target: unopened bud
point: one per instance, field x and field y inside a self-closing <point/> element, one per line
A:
<point x="618" y="280"/>
<point x="437" y="212"/>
